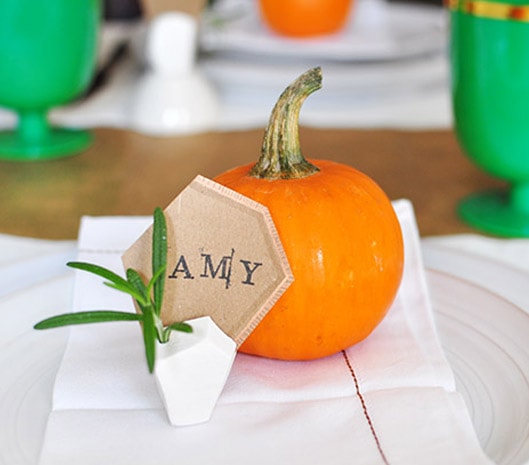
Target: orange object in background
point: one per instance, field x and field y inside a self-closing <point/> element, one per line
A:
<point x="305" y="18"/>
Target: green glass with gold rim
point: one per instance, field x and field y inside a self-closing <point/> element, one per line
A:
<point x="490" y="92"/>
<point x="47" y="58"/>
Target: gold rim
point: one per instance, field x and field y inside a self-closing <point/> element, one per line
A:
<point x="493" y="10"/>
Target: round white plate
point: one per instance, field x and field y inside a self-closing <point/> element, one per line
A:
<point x="485" y="340"/>
<point x="28" y="366"/>
<point x="377" y="30"/>
<point x="345" y="86"/>
<point x="484" y="335"/>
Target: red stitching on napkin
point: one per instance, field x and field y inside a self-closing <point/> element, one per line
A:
<point x="364" y="408"/>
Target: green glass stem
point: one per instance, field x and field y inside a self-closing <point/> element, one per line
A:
<point x="33" y="126"/>
<point x="519" y="197"/>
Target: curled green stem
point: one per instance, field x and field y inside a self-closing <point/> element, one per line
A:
<point x="281" y="156"/>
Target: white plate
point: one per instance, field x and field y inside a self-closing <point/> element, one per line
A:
<point x="376" y="31"/>
<point x="28" y="367"/>
<point x="453" y="255"/>
<point x="485" y="341"/>
<point x="484" y="335"/>
<point x="346" y="87"/>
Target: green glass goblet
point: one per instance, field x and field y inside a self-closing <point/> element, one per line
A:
<point x="490" y="92"/>
<point x="47" y="58"/>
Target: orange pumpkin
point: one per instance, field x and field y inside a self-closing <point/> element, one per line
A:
<point x="340" y="234"/>
<point x="305" y="18"/>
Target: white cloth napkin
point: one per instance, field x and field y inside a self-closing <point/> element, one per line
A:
<point x="390" y="399"/>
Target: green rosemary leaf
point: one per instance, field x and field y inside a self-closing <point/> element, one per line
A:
<point x="152" y="282"/>
<point x="136" y="295"/>
<point x="159" y="257"/>
<point x="149" y="339"/>
<point x="101" y="271"/>
<point x="134" y="279"/>
<point x="180" y="326"/>
<point x="93" y="316"/>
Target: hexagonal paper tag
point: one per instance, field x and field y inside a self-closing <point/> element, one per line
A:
<point x="225" y="259"/>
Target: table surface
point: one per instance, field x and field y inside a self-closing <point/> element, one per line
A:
<point x="125" y="173"/>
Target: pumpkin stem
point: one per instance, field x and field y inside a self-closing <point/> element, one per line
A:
<point x="281" y="156"/>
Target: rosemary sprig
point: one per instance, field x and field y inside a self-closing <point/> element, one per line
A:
<point x="148" y="297"/>
<point x="159" y="257"/>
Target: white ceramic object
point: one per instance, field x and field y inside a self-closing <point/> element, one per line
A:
<point x="191" y="371"/>
<point x="172" y="96"/>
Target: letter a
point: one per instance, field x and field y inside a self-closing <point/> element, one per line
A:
<point x="181" y="267"/>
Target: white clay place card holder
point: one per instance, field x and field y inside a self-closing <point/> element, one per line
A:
<point x="226" y="268"/>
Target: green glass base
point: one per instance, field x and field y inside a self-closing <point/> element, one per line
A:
<point x="491" y="212"/>
<point x="57" y="143"/>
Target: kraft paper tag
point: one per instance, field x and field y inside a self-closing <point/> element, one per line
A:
<point x="225" y="259"/>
